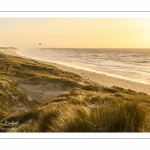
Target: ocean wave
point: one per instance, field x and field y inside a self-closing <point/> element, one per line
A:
<point x="129" y="64"/>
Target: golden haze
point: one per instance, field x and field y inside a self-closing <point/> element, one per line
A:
<point x="75" y="32"/>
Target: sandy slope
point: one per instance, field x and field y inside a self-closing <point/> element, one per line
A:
<point x="43" y="92"/>
<point x="99" y="78"/>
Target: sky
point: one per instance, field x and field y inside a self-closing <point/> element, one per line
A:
<point x="75" y="32"/>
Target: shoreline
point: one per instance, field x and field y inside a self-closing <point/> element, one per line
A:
<point x="101" y="79"/>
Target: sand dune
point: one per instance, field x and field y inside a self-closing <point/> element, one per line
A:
<point x="98" y="78"/>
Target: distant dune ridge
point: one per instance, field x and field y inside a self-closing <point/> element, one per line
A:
<point x="43" y="98"/>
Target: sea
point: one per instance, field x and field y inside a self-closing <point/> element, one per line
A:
<point x="130" y="64"/>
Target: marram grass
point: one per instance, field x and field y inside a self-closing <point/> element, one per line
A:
<point x="87" y="107"/>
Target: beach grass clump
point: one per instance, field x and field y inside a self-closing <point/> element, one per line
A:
<point x="59" y="99"/>
<point x="118" y="94"/>
<point x="110" y="90"/>
<point x="75" y="92"/>
<point x="35" y="80"/>
<point x="75" y="119"/>
<point x="76" y="100"/>
<point x="127" y="117"/>
<point x="118" y="88"/>
<point x="46" y="117"/>
<point x="131" y="91"/>
<point x="95" y="99"/>
<point x="91" y="87"/>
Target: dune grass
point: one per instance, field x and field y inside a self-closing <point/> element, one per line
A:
<point x="16" y="70"/>
<point x="88" y="111"/>
<point x="127" y="117"/>
<point x="88" y="107"/>
<point x="33" y="72"/>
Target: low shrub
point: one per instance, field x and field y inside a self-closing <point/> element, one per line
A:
<point x="91" y="88"/>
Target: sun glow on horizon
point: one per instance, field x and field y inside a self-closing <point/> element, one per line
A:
<point x="75" y="32"/>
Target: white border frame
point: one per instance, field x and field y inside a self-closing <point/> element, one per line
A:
<point x="69" y="14"/>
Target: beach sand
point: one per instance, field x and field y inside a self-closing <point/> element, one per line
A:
<point x="101" y="79"/>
